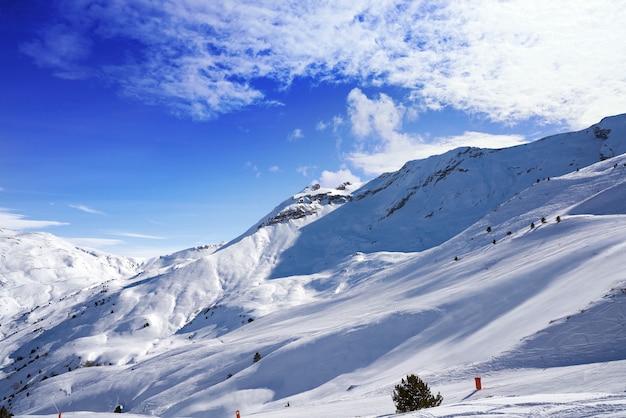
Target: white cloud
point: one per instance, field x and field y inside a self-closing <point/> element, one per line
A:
<point x="333" y="179"/>
<point x="367" y="116"/>
<point x="134" y="235"/>
<point x="94" y="242"/>
<point x="295" y="135"/>
<point x="478" y="139"/>
<point x="87" y="209"/>
<point x="335" y="123"/>
<point x="61" y="48"/>
<point x="274" y="169"/>
<point x="513" y="60"/>
<point x="16" y="221"/>
<point x="559" y="61"/>
<point x="254" y="168"/>
<point x="305" y="170"/>
<point x="384" y="147"/>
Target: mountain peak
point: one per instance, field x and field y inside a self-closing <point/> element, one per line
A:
<point x="310" y="201"/>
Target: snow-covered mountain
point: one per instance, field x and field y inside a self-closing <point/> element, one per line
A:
<point x="38" y="269"/>
<point x="504" y="263"/>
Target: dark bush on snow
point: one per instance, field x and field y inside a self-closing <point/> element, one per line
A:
<point x="413" y="394"/>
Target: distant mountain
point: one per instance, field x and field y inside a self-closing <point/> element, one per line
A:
<point x="474" y="261"/>
<point x="38" y="268"/>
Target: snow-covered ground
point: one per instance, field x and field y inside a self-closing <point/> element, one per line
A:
<point x="506" y="265"/>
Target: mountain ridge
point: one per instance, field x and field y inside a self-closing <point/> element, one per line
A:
<point x="410" y="193"/>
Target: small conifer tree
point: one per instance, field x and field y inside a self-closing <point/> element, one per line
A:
<point x="4" y="413"/>
<point x="256" y="357"/>
<point x="413" y="394"/>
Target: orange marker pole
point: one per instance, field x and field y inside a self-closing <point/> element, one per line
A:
<point x="479" y="385"/>
<point x="237" y="414"/>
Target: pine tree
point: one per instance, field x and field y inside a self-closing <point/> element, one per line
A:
<point x="4" y="413"/>
<point x="413" y="394"/>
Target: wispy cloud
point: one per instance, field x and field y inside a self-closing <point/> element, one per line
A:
<point x="559" y="61"/>
<point x="295" y="135"/>
<point x="16" y="221"/>
<point x="95" y="242"/>
<point x="335" y="123"/>
<point x="134" y="235"/>
<point x="87" y="209"/>
<point x="305" y="170"/>
<point x="62" y="48"/>
<point x="254" y="168"/>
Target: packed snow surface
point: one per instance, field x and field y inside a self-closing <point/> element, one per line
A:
<point x="506" y="265"/>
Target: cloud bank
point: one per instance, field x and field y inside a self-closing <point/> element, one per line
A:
<point x="559" y="61"/>
<point x="382" y="145"/>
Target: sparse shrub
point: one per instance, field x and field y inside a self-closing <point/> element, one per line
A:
<point x="602" y="134"/>
<point x="558" y="219"/>
<point x="543" y="220"/>
<point x="488" y="229"/>
<point x="509" y="232"/>
<point x="256" y="357"/>
<point x="4" y="413"/>
<point x="118" y="409"/>
<point x="413" y="394"/>
<point x="532" y="225"/>
<point x="250" y="320"/>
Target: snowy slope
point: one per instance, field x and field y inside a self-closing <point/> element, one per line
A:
<point x="40" y="275"/>
<point x="343" y="292"/>
<point x="33" y="264"/>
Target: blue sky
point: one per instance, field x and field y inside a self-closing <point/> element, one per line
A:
<point x="141" y="128"/>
